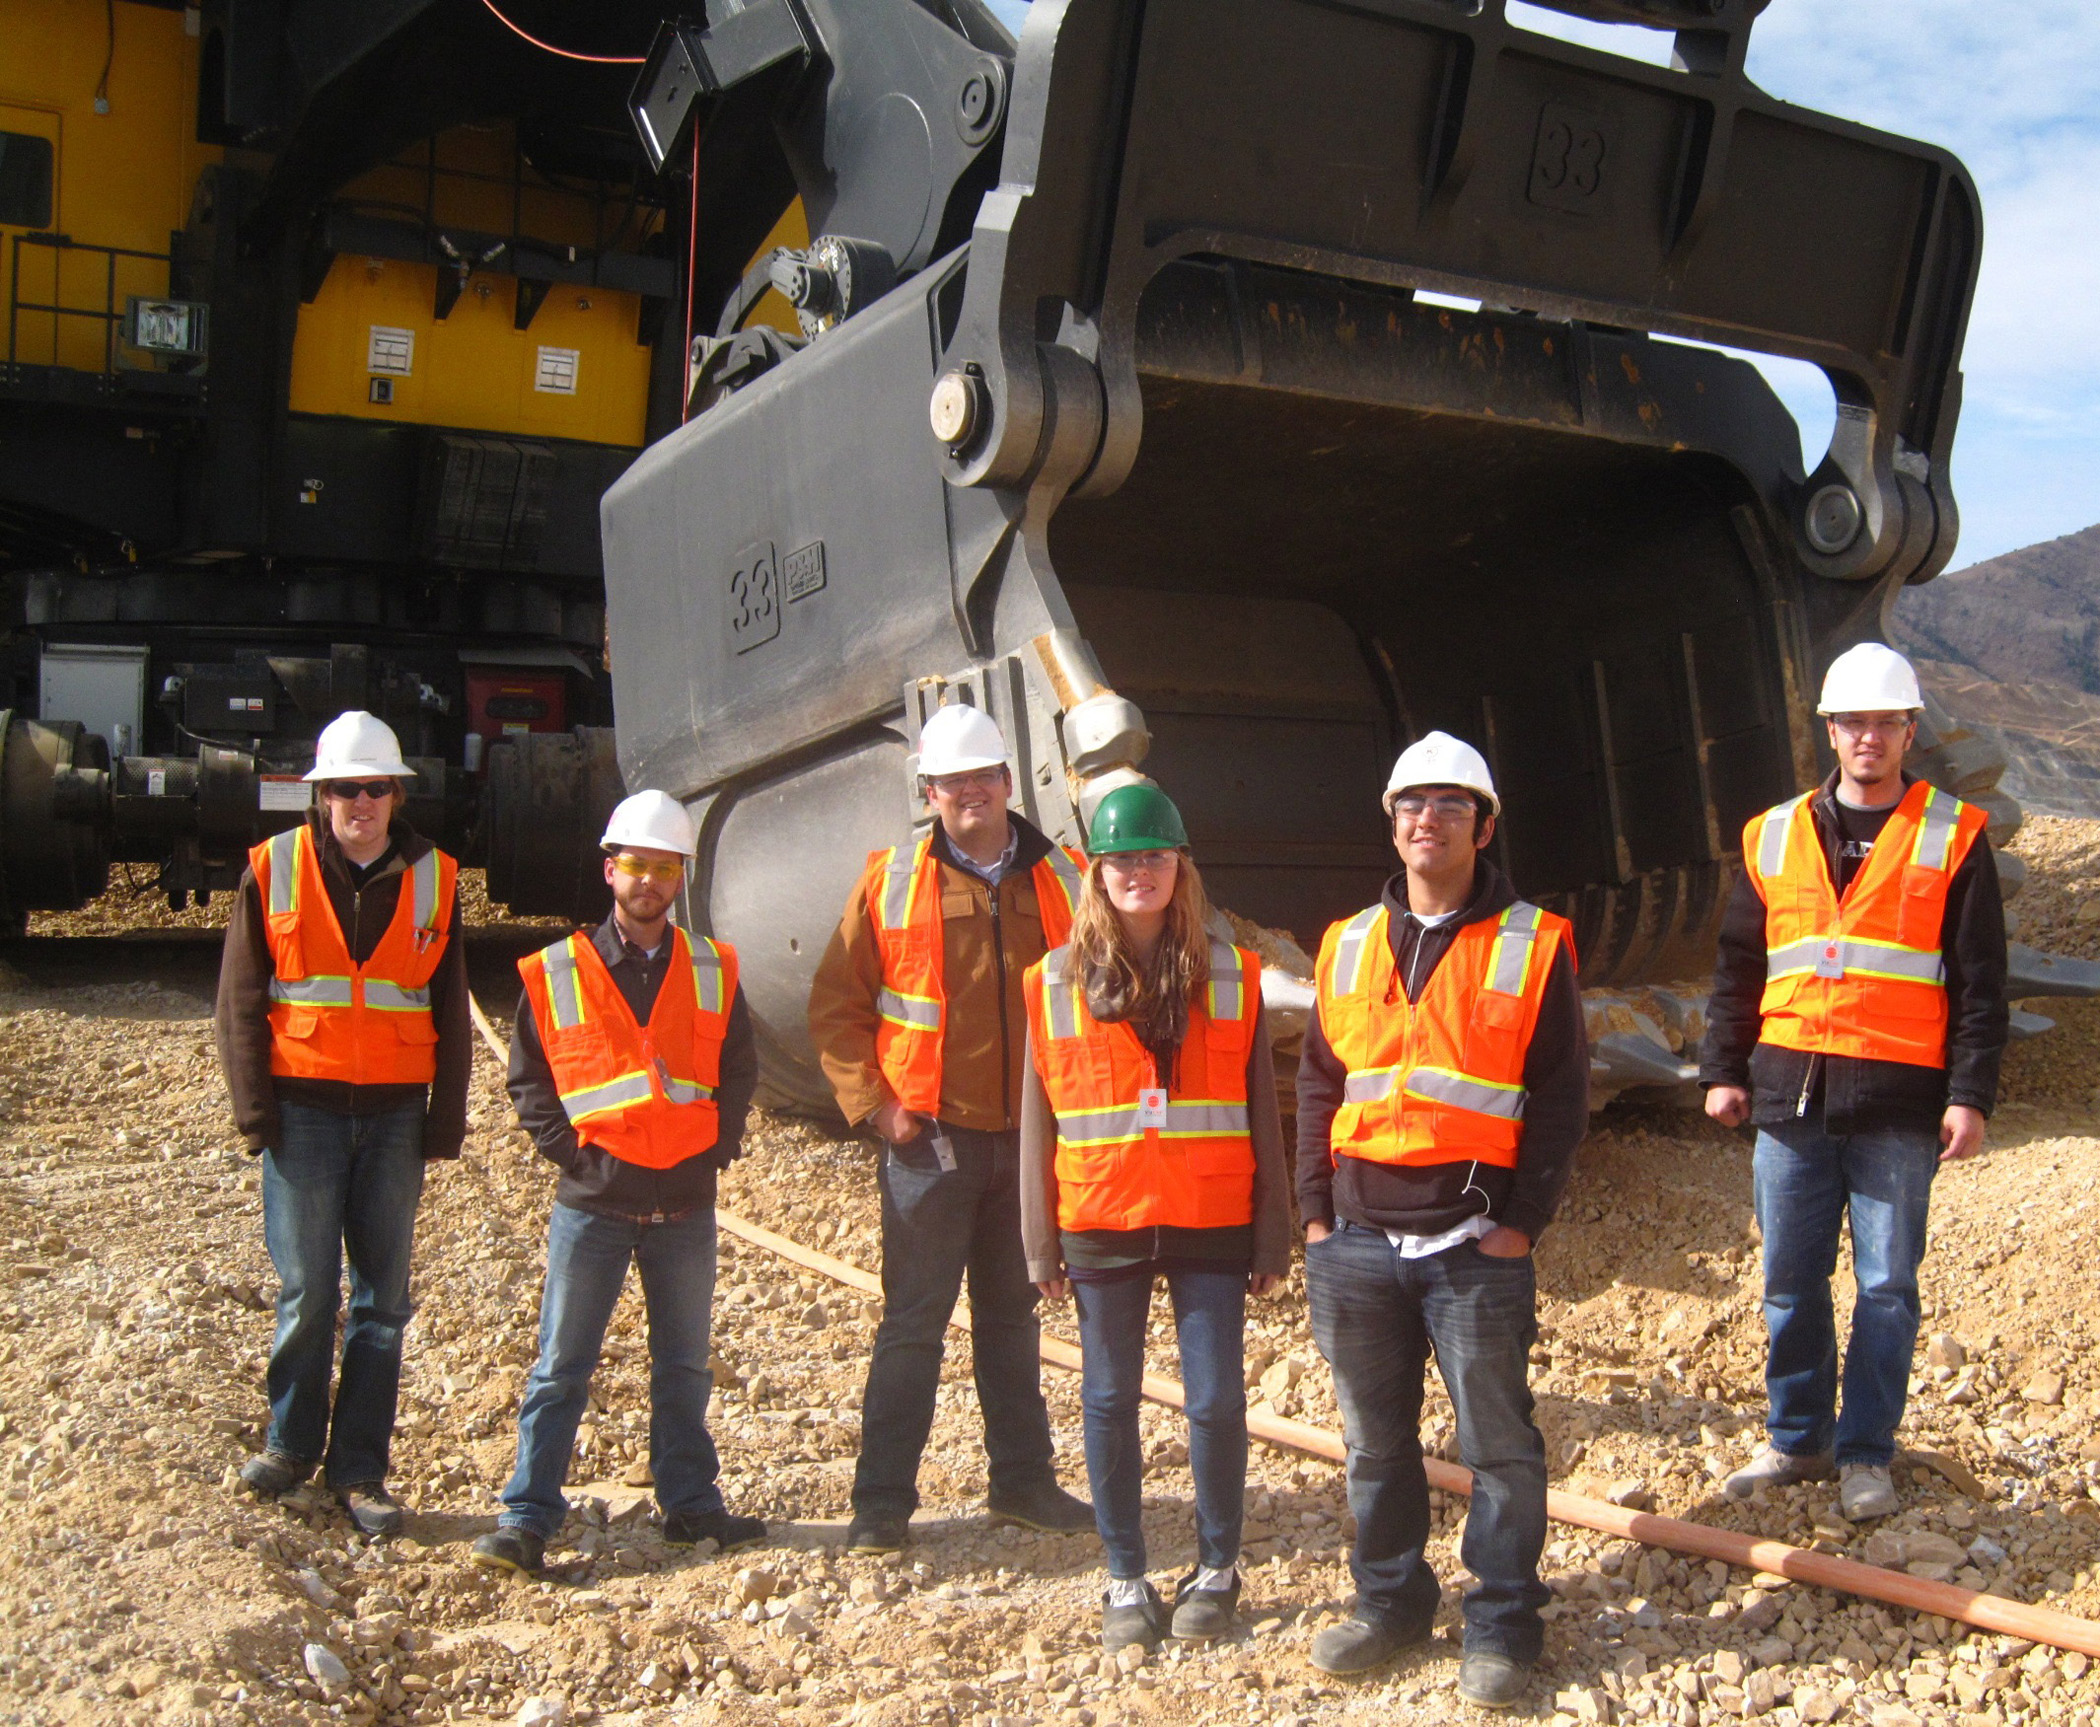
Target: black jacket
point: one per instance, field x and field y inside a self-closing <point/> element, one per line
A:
<point x="592" y="1179"/>
<point x="363" y="910"/>
<point x="1848" y="1094"/>
<point x="1427" y="1200"/>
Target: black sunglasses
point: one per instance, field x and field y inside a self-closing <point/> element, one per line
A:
<point x="349" y="791"/>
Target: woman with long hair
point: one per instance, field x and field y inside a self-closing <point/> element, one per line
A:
<point x="1151" y="1148"/>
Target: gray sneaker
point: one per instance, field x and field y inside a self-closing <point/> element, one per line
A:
<point x="1865" y="1490"/>
<point x="1772" y="1467"/>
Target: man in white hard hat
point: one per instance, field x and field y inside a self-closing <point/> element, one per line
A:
<point x="1443" y="1090"/>
<point x="632" y="1068"/>
<point x="1857" y="1020"/>
<point x="344" y="1036"/>
<point x="918" y="1017"/>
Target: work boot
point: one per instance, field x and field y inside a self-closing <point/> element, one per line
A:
<point x="371" y="1507"/>
<point x="509" y="1549"/>
<point x="1046" y="1507"/>
<point x="724" y="1528"/>
<point x="870" y="1532"/>
<point x="1359" y="1644"/>
<point x="1131" y="1612"/>
<point x="1865" y="1491"/>
<point x="1772" y="1467"/>
<point x="1488" y="1680"/>
<point x="1204" y="1601"/>
<point x="271" y="1474"/>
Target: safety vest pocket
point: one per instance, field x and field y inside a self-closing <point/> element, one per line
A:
<point x="1220" y="1158"/>
<point x="300" y="1022"/>
<point x="414" y="1027"/>
<point x="1886" y="998"/>
<point x="1921" y="910"/>
<point x="1493" y="1039"/>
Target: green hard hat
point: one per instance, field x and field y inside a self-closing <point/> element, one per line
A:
<point x="1136" y="818"/>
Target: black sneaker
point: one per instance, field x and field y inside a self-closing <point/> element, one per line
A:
<point x="724" y="1528"/>
<point x="1357" y="1645"/>
<point x="516" y="1550"/>
<point x="870" y="1533"/>
<point x="271" y="1474"/>
<point x="1140" y="1622"/>
<point x="371" y="1507"/>
<point x="1491" y="1681"/>
<point x="1204" y="1613"/>
<point x="1048" y="1508"/>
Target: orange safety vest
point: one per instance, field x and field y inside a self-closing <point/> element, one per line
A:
<point x="903" y="891"/>
<point x="1862" y="976"/>
<point x="1129" y="1156"/>
<point x="642" y="1093"/>
<point x="331" y="1018"/>
<point x="1439" y="1080"/>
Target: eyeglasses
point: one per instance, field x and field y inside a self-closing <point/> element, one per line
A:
<point x="349" y="791"/>
<point x="1864" y="725"/>
<point x="647" y="869"/>
<point x="1137" y="863"/>
<point x="1449" y="806"/>
<point x="976" y="779"/>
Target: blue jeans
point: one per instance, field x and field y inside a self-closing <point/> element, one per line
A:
<point x="1806" y="1183"/>
<point x="1376" y="1316"/>
<point x="331" y="1183"/>
<point x="587" y="1258"/>
<point x="1210" y="1318"/>
<point x="939" y="1226"/>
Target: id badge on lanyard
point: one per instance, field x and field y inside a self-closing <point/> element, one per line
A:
<point x="1152" y="1106"/>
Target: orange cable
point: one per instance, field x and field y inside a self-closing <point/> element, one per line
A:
<point x="565" y="53"/>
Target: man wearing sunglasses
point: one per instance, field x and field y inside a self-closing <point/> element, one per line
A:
<point x="344" y="1035"/>
<point x="1857" y="1019"/>
<point x="918" y="1017"/>
<point x="632" y="1067"/>
<point x="1442" y="1092"/>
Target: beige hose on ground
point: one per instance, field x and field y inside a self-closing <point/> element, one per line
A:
<point x="1821" y="1570"/>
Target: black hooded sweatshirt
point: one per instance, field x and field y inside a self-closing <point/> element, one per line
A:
<point x="1430" y="1199"/>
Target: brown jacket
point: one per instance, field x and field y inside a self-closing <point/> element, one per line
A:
<point x="988" y="945"/>
<point x="242" y="1017"/>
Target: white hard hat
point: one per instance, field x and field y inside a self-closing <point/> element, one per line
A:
<point x="654" y="820"/>
<point x="957" y="739"/>
<point x="1442" y="760"/>
<point x="358" y="746"/>
<point x="1869" y="679"/>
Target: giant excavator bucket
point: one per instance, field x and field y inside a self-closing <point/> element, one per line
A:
<point x="1124" y="415"/>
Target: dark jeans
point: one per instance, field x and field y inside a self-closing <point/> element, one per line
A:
<point x="1807" y="1182"/>
<point x="331" y="1183"/>
<point x="1376" y="1316"/>
<point x="1210" y="1317"/>
<point x="937" y="1226"/>
<point x="587" y="1258"/>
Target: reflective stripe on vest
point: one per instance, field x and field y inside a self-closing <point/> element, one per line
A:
<point x="1771" y="838"/>
<point x="1129" y="1154"/>
<point x="896" y="888"/>
<point x="1068" y="877"/>
<point x="1860" y="974"/>
<point x="284" y="872"/>
<point x="1856" y="956"/>
<point x="316" y="991"/>
<point x="423" y="891"/>
<point x="1508" y="972"/>
<point x="589" y="1100"/>
<point x="707" y="975"/>
<point x="921" y="1012"/>
<point x="1440" y="1078"/>
<point x="563" y="995"/>
<point x="1437" y="1085"/>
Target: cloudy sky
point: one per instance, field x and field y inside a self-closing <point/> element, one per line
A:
<point x="2015" y="92"/>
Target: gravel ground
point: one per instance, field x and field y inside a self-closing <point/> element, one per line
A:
<point x="136" y="1586"/>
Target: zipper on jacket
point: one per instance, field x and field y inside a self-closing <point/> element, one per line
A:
<point x="1808" y="1084"/>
